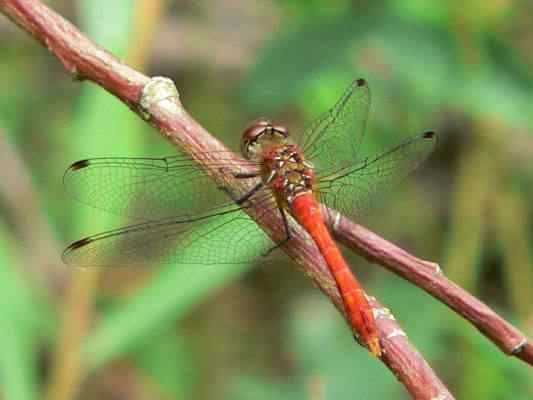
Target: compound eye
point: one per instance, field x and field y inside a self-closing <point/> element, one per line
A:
<point x="248" y="148"/>
<point x="254" y="131"/>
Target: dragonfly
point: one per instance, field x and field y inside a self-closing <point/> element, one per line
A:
<point x="184" y="217"/>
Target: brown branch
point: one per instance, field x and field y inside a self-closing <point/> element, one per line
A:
<point x="157" y="101"/>
<point x="428" y="276"/>
<point x="68" y="369"/>
<point x="402" y="358"/>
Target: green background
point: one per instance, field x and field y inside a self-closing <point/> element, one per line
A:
<point x="263" y="331"/>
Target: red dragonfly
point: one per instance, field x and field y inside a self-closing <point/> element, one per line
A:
<point x="185" y="218"/>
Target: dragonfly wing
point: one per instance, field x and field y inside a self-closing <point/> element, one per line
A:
<point x="229" y="237"/>
<point x="333" y="140"/>
<point x="352" y="190"/>
<point x="149" y="188"/>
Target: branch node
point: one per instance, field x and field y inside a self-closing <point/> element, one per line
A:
<point x="336" y="221"/>
<point x="438" y="269"/>
<point x="395" y="333"/>
<point x="442" y="396"/>
<point x="162" y="92"/>
<point x="368" y="297"/>
<point x="383" y="312"/>
<point x="519" y="347"/>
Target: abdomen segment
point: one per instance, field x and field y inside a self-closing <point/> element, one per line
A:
<point x="307" y="212"/>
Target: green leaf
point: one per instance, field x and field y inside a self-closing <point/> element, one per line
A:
<point x="501" y="376"/>
<point x="169" y="362"/>
<point x="109" y="23"/>
<point x="381" y="47"/>
<point x="171" y="294"/>
<point x="24" y="319"/>
<point x="324" y="349"/>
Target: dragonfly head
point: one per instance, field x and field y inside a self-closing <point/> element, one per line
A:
<point x="259" y="135"/>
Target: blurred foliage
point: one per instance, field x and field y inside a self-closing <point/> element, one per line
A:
<point x="462" y="69"/>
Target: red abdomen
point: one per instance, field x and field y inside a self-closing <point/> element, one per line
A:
<point x="307" y="212"/>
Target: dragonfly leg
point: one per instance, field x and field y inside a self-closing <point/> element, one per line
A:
<point x="287" y="233"/>
<point x="245" y="175"/>
<point x="250" y="193"/>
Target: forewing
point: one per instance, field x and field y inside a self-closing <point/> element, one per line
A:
<point x="148" y="188"/>
<point x="333" y="140"/>
<point x="230" y="237"/>
<point x="352" y="190"/>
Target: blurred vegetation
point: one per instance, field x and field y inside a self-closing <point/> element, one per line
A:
<point x="462" y="69"/>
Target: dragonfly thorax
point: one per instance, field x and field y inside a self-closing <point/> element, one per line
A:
<point x="283" y="167"/>
<point x="286" y="172"/>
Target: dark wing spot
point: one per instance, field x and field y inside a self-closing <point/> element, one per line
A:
<point x="79" y="165"/>
<point x="75" y="246"/>
<point x="78" y="244"/>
